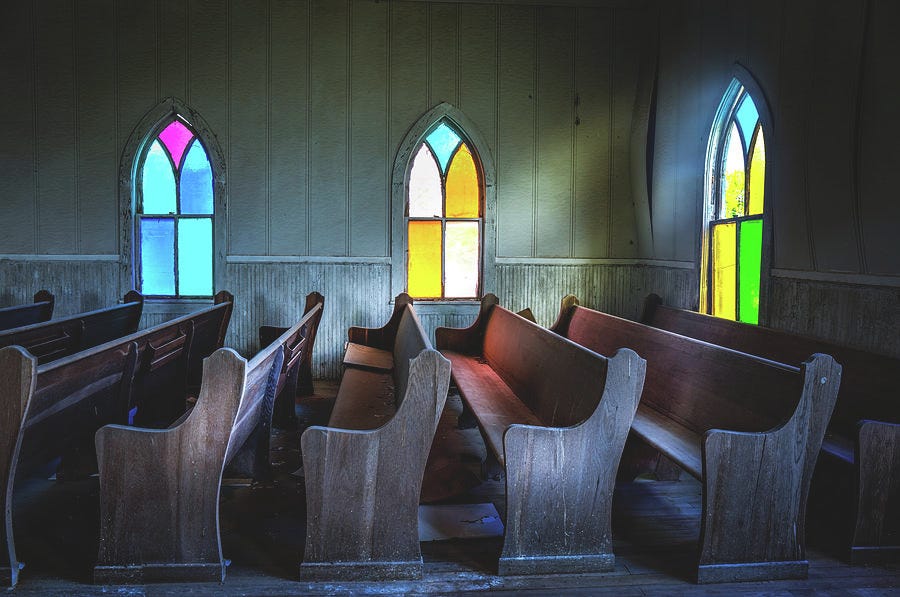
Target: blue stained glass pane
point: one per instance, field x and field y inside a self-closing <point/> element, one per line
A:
<point x="158" y="182"/>
<point x="158" y="256"/>
<point x="747" y="117"/>
<point x="443" y="141"/>
<point x="195" y="257"/>
<point x="196" y="182"/>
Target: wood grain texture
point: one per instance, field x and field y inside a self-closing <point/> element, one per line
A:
<point x="876" y="536"/>
<point x="57" y="338"/>
<point x="756" y="487"/>
<point x="557" y="417"/>
<point x="20" y="315"/>
<point x="762" y="424"/>
<point x="383" y="337"/>
<point x="867" y="392"/>
<point x="159" y="489"/>
<point x="363" y="486"/>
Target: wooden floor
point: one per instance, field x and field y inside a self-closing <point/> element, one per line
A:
<point x="656" y="525"/>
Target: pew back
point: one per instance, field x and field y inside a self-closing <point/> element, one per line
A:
<point x="21" y="315"/>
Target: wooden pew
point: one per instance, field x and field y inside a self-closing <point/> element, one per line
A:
<point x="364" y="471"/>
<point x="556" y="416"/>
<point x="159" y="488"/>
<point x="58" y="338"/>
<point x="20" y="315"/>
<point x="749" y="429"/>
<point x="862" y="443"/>
<point x="300" y="382"/>
<point x="49" y="409"/>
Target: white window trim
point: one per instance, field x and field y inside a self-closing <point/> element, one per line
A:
<point x="740" y="77"/>
<point x="400" y="185"/>
<point x="144" y="133"/>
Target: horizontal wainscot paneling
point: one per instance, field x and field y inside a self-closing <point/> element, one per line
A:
<point x="864" y="317"/>
<point x="78" y="285"/>
<point x="616" y="289"/>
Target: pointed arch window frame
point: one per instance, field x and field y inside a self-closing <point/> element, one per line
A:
<point x="742" y="82"/>
<point x="136" y="147"/>
<point x="484" y="164"/>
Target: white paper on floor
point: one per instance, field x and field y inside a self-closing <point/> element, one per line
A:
<point x="459" y="521"/>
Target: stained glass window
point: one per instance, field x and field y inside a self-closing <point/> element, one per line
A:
<point x="444" y="218"/>
<point x="736" y="228"/>
<point x="174" y="221"/>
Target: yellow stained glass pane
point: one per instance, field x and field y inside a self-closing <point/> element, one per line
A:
<point x="462" y="185"/>
<point x="461" y="260"/>
<point x="423" y="264"/>
<point x="757" y="175"/>
<point x="724" y="270"/>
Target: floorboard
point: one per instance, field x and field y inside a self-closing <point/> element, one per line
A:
<point x="655" y="525"/>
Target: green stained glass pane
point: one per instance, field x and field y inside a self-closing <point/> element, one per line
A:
<point x="195" y="257"/>
<point x="157" y="182"/>
<point x="750" y="259"/>
<point x="443" y="141"/>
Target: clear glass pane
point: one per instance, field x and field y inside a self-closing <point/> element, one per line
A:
<point x="461" y="260"/>
<point x="732" y="176"/>
<point x="757" y="176"/>
<point x="424" y="259"/>
<point x="462" y="186"/>
<point x="195" y="254"/>
<point x="723" y="270"/>
<point x="157" y="256"/>
<point x="750" y="255"/>
<point x="424" y="186"/>
<point x="157" y="182"/>
<point x="196" y="182"/>
<point x="747" y="117"/>
<point x="176" y="137"/>
<point x="443" y="141"/>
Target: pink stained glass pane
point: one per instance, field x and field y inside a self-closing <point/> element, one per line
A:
<point x="176" y="137"/>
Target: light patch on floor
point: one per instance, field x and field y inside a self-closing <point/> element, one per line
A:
<point x="459" y="521"/>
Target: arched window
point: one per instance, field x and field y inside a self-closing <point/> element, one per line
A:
<point x="736" y="183"/>
<point x="174" y="214"/>
<point x="444" y="218"/>
<point x="171" y="188"/>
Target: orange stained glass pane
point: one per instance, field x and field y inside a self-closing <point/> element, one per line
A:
<point x="423" y="264"/>
<point x="462" y="185"/>
<point x="724" y="270"/>
<point x="462" y="260"/>
<point x="757" y="175"/>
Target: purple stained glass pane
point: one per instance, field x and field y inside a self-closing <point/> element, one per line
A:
<point x="176" y="137"/>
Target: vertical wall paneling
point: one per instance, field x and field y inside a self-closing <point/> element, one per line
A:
<point x="136" y="66"/>
<point x="328" y="134"/>
<point x="248" y="129"/>
<point x="556" y="126"/>
<point x="56" y="140"/>
<point x="832" y="135"/>
<point x="173" y="57"/>
<point x="765" y="31"/>
<point x="18" y="184"/>
<point x="288" y="92"/>
<point x="879" y="152"/>
<point x="478" y="68"/>
<point x="443" y="35"/>
<point x="665" y="150"/>
<point x="97" y="165"/>
<point x="594" y="101"/>
<point x="628" y="35"/>
<point x="208" y="64"/>
<point x="368" y="130"/>
<point x="790" y="181"/>
<point x="516" y="148"/>
<point x="408" y="68"/>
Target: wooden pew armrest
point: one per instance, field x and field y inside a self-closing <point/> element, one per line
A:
<point x="466" y="340"/>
